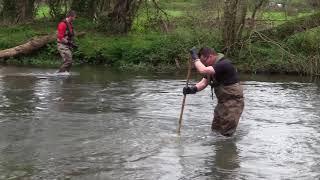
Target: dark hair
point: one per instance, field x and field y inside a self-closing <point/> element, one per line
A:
<point x="206" y="52"/>
<point x="71" y="13"/>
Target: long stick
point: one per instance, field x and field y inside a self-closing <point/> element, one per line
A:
<point x="184" y="97"/>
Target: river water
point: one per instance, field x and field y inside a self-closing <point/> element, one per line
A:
<point x="104" y="124"/>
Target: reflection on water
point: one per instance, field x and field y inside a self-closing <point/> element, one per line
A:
<point x="104" y="124"/>
<point x="226" y="160"/>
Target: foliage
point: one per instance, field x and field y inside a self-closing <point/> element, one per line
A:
<point x="280" y="16"/>
<point x="14" y="35"/>
<point x="153" y="49"/>
<point x="298" y="54"/>
<point x="158" y="35"/>
<point x="132" y="51"/>
<point x="43" y="12"/>
<point x="305" y="42"/>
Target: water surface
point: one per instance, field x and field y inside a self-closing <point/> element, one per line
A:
<point x="104" y="124"/>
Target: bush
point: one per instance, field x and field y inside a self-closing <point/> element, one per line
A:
<point x="152" y="49"/>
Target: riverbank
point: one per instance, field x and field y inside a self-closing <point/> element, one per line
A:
<point x="156" y="50"/>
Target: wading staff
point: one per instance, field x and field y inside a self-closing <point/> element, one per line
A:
<point x="184" y="96"/>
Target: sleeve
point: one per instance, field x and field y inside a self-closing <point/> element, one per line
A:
<point x="62" y="27"/>
<point x="220" y="68"/>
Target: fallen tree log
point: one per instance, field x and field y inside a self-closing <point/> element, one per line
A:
<point x="291" y="27"/>
<point x="30" y="46"/>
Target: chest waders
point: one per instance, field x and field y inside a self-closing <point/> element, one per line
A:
<point x="69" y="31"/>
<point x="229" y="106"/>
<point x="212" y="81"/>
<point x="65" y="49"/>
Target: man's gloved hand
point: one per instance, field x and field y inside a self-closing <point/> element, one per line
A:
<point x="194" y="54"/>
<point x="190" y="90"/>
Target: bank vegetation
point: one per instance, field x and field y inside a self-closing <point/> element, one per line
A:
<point x="274" y="36"/>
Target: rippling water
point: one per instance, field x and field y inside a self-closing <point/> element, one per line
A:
<point x="100" y="124"/>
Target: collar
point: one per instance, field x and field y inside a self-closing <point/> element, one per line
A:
<point x="219" y="58"/>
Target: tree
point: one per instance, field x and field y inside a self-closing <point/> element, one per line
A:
<point x="58" y="8"/>
<point x="30" y="46"/>
<point x="314" y="3"/>
<point x="241" y="18"/>
<point x="85" y="8"/>
<point x="231" y="24"/>
<point x="17" y="11"/>
<point x="257" y="4"/>
<point x="25" y="9"/>
<point x="120" y="18"/>
<point x="8" y="11"/>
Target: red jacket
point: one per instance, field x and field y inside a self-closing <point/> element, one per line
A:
<point x="65" y="31"/>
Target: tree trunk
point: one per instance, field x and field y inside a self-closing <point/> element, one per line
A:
<point x="17" y="11"/>
<point x="241" y="18"/>
<point x="92" y="8"/>
<point x="122" y="15"/>
<point x="85" y="8"/>
<point x="103" y="6"/>
<point x="258" y="4"/>
<point x="314" y="3"/>
<point x="25" y="10"/>
<point x="30" y="46"/>
<point x="56" y="11"/>
<point x="9" y="12"/>
<point x="229" y="27"/>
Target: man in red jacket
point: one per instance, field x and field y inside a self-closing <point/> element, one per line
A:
<point x="65" y="41"/>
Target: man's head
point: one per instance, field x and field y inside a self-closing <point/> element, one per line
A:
<point x="207" y="56"/>
<point x="71" y="15"/>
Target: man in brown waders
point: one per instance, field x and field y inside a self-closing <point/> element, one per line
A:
<point x="65" y="41"/>
<point x="221" y="75"/>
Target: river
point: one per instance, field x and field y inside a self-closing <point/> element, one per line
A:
<point x="106" y="124"/>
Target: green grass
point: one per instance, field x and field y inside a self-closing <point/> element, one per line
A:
<point x="136" y="49"/>
<point x="281" y="16"/>
<point x="43" y="12"/>
<point x="179" y="4"/>
<point x="14" y="35"/>
<point x="306" y="42"/>
<point x="133" y="51"/>
<point x="175" y="13"/>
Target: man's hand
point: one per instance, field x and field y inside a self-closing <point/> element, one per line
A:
<point x="72" y="45"/>
<point x="193" y="53"/>
<point x="64" y="41"/>
<point x="190" y="90"/>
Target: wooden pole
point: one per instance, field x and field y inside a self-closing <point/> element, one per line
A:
<point x="184" y="97"/>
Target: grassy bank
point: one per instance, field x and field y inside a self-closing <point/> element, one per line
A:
<point x="298" y="54"/>
<point x="136" y="50"/>
<point x="146" y="48"/>
<point x="157" y="50"/>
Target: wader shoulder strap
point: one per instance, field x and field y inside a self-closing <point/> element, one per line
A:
<point x="69" y="31"/>
<point x="213" y="82"/>
<point x="219" y="58"/>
